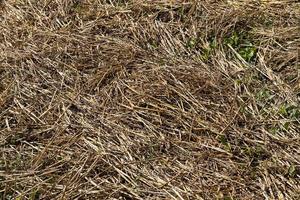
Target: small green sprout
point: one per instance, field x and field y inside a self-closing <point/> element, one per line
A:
<point x="224" y="141"/>
<point x="233" y="40"/>
<point x="248" y="52"/>
<point x="290" y="111"/>
<point x="242" y="44"/>
<point x="263" y="94"/>
<point x="291" y="172"/>
<point x="192" y="43"/>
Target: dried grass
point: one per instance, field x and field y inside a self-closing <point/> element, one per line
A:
<point x="146" y="100"/>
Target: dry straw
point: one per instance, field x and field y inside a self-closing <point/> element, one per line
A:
<point x="149" y="99"/>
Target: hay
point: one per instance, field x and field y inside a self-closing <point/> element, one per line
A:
<point x="149" y="99"/>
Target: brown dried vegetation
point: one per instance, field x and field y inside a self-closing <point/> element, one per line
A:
<point x="149" y="99"/>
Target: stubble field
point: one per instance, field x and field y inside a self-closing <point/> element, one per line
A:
<point x="149" y="99"/>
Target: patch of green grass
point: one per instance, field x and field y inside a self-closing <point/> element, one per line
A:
<point x="192" y="42"/>
<point x="232" y="40"/>
<point x="246" y="111"/>
<point x="19" y="198"/>
<point x="291" y="171"/>
<point x="222" y="139"/>
<point x="265" y="101"/>
<point x="7" y="195"/>
<point x="289" y="111"/>
<point x="263" y="94"/>
<point x="286" y="125"/>
<point x="35" y="195"/>
<point x="227" y="198"/>
<point x="242" y="43"/>
<point x="248" y="52"/>
<point x="256" y="154"/>
<point x="274" y="129"/>
<point x="207" y="49"/>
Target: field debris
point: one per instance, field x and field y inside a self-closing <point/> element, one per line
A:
<point x="123" y="99"/>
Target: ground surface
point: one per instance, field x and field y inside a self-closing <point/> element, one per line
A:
<point x="149" y="99"/>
